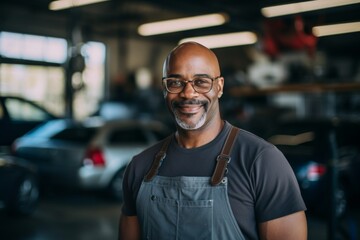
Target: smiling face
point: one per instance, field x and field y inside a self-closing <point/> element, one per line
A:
<point x="190" y="109"/>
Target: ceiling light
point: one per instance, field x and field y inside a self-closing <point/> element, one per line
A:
<point x="63" y="4"/>
<point x="182" y="24"/>
<point x="334" y="29"/>
<point x="292" y="140"/>
<point x="224" y="40"/>
<point x="293" y="8"/>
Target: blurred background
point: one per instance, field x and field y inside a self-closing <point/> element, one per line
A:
<point x="80" y="94"/>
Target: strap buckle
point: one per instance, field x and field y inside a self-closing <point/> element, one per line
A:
<point x="225" y="157"/>
<point x="220" y="169"/>
<point x="161" y="156"/>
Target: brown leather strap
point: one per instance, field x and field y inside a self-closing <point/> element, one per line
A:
<point x="160" y="156"/>
<point x="224" y="158"/>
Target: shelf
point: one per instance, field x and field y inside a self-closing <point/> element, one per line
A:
<point x="304" y="87"/>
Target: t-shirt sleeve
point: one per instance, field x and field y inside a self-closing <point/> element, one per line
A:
<point x="276" y="186"/>
<point x="129" y="203"/>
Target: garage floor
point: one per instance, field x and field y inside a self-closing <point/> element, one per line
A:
<point x="91" y="216"/>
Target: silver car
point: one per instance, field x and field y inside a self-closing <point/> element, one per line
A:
<point x="89" y="155"/>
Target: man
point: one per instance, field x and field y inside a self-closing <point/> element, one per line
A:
<point x="186" y="187"/>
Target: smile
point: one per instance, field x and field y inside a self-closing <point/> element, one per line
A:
<point x="189" y="109"/>
<point x="189" y="106"/>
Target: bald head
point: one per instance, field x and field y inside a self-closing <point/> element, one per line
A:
<point x="190" y="53"/>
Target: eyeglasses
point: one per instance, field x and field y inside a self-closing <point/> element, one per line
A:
<point x="199" y="84"/>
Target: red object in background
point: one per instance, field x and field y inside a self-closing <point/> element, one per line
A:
<point x="282" y="36"/>
<point x="94" y="156"/>
<point x="316" y="171"/>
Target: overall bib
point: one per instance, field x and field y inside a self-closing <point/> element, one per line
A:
<point x="186" y="208"/>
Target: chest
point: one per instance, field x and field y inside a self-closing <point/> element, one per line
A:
<point x="189" y="163"/>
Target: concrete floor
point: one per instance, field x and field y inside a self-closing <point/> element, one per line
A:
<point x="91" y="216"/>
<point x="65" y="216"/>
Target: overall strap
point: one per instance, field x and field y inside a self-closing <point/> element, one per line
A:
<point x="224" y="158"/>
<point x="159" y="157"/>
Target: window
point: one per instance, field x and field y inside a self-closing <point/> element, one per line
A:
<point x="40" y="84"/>
<point x="76" y="134"/>
<point x="33" y="68"/>
<point x="88" y="98"/>
<point x="31" y="47"/>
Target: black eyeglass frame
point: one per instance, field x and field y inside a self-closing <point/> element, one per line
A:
<point x="191" y="81"/>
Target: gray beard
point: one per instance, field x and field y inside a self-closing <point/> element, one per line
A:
<point x="186" y="126"/>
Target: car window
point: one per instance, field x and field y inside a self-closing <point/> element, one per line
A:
<point x="128" y="136"/>
<point x="76" y="134"/>
<point x="23" y="111"/>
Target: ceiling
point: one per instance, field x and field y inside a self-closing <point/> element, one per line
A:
<point x="121" y="18"/>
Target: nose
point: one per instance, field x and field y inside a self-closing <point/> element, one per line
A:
<point x="189" y="90"/>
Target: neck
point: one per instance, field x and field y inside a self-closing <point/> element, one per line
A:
<point x="196" y="138"/>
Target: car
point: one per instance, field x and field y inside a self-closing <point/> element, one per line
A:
<point x="316" y="148"/>
<point x="19" y="189"/>
<point x="91" y="154"/>
<point x="18" y="116"/>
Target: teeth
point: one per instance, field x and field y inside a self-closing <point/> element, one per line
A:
<point x="190" y="109"/>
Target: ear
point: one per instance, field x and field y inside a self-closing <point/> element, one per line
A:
<point x="220" y="86"/>
<point x="165" y="93"/>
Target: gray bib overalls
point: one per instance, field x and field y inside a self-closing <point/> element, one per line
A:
<point x="186" y="208"/>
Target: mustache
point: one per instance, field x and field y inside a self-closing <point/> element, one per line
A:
<point x="188" y="102"/>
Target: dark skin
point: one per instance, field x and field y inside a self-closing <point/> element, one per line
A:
<point x="186" y="62"/>
<point x="198" y="122"/>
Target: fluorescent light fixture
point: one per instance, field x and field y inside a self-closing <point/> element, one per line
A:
<point x="224" y="40"/>
<point x="293" y="8"/>
<point x="292" y="140"/>
<point x="334" y="29"/>
<point x="63" y="4"/>
<point x="182" y="24"/>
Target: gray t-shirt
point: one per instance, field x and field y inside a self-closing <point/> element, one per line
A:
<point x="261" y="183"/>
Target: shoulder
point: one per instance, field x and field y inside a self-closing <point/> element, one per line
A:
<point x="250" y="138"/>
<point x="252" y="145"/>
<point x="252" y="153"/>
<point x="268" y="175"/>
<point x="142" y="161"/>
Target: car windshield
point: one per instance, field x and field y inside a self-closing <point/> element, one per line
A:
<point x="76" y="134"/>
<point x="24" y="111"/>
